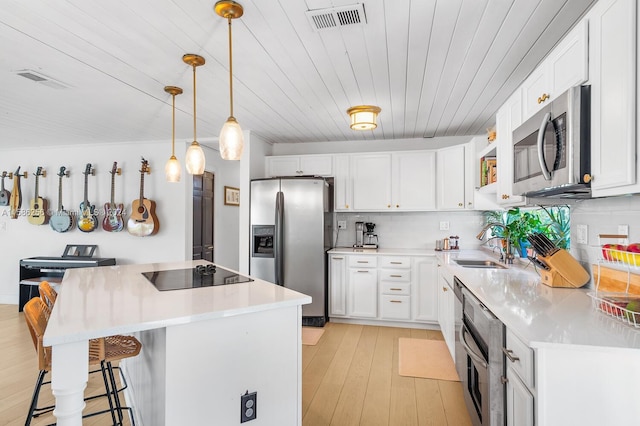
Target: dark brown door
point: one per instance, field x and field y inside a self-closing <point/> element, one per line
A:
<point x="203" y="217"/>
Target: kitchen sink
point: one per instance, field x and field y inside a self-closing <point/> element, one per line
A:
<point x="475" y="263"/>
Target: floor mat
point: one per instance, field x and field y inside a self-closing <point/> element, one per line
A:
<point x="429" y="359"/>
<point x="311" y="335"/>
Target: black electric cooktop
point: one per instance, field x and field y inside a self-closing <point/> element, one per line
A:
<point x="200" y="276"/>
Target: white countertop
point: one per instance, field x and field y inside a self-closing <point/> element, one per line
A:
<point x="96" y="302"/>
<point x="538" y="314"/>
<point x="383" y="251"/>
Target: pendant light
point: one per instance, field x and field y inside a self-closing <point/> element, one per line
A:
<point x="363" y="117"/>
<point x="172" y="168"/>
<point x="194" y="158"/>
<point x="231" y="138"/>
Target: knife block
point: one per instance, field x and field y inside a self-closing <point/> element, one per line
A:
<point x="564" y="271"/>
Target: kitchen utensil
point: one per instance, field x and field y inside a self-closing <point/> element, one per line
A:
<point x="563" y="270"/>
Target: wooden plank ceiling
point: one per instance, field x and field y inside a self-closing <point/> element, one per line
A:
<point x="435" y="67"/>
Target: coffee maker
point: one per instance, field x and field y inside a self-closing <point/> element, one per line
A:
<point x="370" y="238"/>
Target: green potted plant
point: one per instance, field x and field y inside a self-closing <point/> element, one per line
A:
<point x="514" y="225"/>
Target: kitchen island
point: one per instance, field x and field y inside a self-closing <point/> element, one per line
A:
<point x="202" y="347"/>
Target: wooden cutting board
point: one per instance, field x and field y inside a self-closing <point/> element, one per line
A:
<point x="616" y="280"/>
<point x="564" y="265"/>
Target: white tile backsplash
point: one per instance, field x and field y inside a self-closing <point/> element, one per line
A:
<point x="413" y="230"/>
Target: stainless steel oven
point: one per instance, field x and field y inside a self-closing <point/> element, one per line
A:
<point x="481" y="337"/>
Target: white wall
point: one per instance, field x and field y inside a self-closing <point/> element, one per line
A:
<point x="173" y="206"/>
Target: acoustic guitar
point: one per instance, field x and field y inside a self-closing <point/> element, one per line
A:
<point x="87" y="221"/>
<point x="143" y="221"/>
<point x="4" y="194"/>
<point x="61" y="220"/>
<point x="113" y="221"/>
<point x="15" y="201"/>
<point x="38" y="207"/>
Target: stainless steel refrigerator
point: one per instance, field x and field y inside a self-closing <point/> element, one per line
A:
<point x="291" y="230"/>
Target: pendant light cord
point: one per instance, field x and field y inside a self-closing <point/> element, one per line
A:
<point x="173" y="128"/>
<point x="230" y="69"/>
<point x="194" y="103"/>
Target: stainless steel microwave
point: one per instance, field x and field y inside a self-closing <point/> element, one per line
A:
<point x="552" y="149"/>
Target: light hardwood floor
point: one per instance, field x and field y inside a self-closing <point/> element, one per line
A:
<point x="349" y="378"/>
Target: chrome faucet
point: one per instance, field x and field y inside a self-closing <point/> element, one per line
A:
<point x="507" y="257"/>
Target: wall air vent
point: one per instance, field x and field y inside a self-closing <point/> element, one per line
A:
<point x="337" y="17"/>
<point x="42" y="79"/>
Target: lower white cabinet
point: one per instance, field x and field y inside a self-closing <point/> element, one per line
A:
<point x="520" y="362"/>
<point x="363" y="293"/>
<point x="446" y="309"/>
<point x="381" y="287"/>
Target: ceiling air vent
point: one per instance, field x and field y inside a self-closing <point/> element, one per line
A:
<point x="42" y="79"/>
<point x="337" y="17"/>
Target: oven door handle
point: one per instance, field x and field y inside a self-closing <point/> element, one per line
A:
<point x="543" y="128"/>
<point x="477" y="358"/>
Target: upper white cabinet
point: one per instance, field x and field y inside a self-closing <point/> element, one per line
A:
<point x="413" y="180"/>
<point x="403" y="181"/>
<point x="508" y="118"/>
<point x="370" y="174"/>
<point x="612" y="53"/>
<point x="451" y="183"/>
<point x="342" y="183"/>
<point x="299" y="165"/>
<point x="566" y="66"/>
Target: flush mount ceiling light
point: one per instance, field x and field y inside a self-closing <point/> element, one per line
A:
<point x="195" y="155"/>
<point x="363" y="117"/>
<point x="231" y="137"/>
<point x="172" y="168"/>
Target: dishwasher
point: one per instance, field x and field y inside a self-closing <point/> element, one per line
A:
<point x="479" y="358"/>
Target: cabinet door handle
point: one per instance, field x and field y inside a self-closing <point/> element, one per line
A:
<point x="395" y="276"/>
<point x="504" y="380"/>
<point x="543" y="98"/>
<point x="364" y="272"/>
<point x="397" y="206"/>
<point x="460" y="204"/>
<point x="445" y="289"/>
<point x="509" y="354"/>
<point x="362" y="261"/>
<point x="395" y="289"/>
<point x="338" y="258"/>
<point x="395" y="301"/>
<point x="396" y="263"/>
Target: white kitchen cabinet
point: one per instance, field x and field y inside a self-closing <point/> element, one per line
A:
<point x="363" y="293"/>
<point x="508" y="118"/>
<point x="451" y="183"/>
<point x="613" y="65"/>
<point x="566" y="66"/>
<point x="394" y="283"/>
<point x="520" y="362"/>
<point x="413" y="177"/>
<point x="519" y="401"/>
<point x="446" y="309"/>
<point x="371" y="177"/>
<point x="338" y="286"/>
<point x="424" y="286"/>
<point x="342" y="194"/>
<point x="299" y="165"/>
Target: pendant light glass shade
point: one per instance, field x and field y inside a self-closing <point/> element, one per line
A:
<point x="172" y="168"/>
<point x="194" y="159"/>
<point x="231" y="138"/>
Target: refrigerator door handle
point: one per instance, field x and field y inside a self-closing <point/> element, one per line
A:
<point x="279" y="239"/>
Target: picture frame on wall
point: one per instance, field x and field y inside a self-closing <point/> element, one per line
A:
<point x="231" y="196"/>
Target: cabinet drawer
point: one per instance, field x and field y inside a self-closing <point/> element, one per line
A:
<point x="395" y="288"/>
<point x="363" y="261"/>
<point x="395" y="307"/>
<point x="401" y="275"/>
<point x="395" y="262"/>
<point x="520" y="358"/>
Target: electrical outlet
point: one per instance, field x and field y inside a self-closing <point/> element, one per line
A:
<point x="342" y="224"/>
<point x="623" y="230"/>
<point x="248" y="406"/>
<point x="444" y="226"/>
<point x="582" y="234"/>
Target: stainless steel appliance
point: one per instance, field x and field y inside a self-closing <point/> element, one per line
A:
<point x="291" y="230"/>
<point x="371" y="238"/>
<point x="481" y="338"/>
<point x="552" y="149"/>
